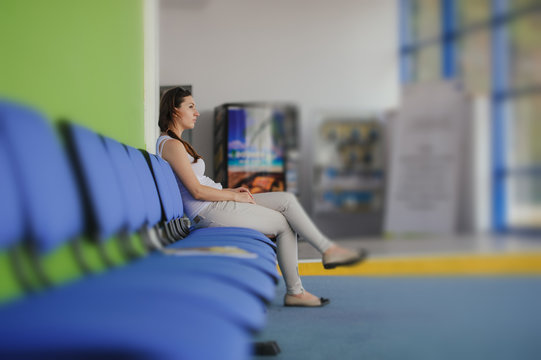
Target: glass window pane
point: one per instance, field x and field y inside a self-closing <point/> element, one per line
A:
<point x="426" y="64"/>
<point x="524" y="199"/>
<point x="407" y="70"/>
<point x="522" y="4"/>
<point x="471" y="12"/>
<point x="425" y="19"/>
<point x="523" y="131"/>
<point x="525" y="44"/>
<point x="474" y="61"/>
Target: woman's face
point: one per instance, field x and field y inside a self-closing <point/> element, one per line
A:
<point x="186" y="114"/>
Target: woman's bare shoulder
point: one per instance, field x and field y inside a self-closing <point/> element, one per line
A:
<point x="174" y="151"/>
<point x="172" y="145"/>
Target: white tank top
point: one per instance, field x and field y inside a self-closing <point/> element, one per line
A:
<point x="192" y="207"/>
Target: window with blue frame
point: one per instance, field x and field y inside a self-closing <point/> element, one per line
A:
<point x="494" y="48"/>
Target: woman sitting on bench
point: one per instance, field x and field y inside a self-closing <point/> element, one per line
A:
<point x="274" y="213"/>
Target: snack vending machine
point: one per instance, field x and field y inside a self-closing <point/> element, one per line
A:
<point x="348" y="179"/>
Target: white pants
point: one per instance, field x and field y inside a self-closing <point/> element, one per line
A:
<point x="278" y="214"/>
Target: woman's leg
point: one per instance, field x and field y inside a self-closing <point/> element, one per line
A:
<point x="265" y="220"/>
<point x="288" y="205"/>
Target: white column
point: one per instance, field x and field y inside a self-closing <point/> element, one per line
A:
<point x="151" y="80"/>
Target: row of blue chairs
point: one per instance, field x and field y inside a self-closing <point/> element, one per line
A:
<point x="93" y="257"/>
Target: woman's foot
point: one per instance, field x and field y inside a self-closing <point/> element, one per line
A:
<point x="339" y="256"/>
<point x="304" y="299"/>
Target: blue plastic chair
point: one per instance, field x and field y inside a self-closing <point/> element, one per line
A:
<point x="48" y="192"/>
<point x="171" y="200"/>
<point x="11" y="228"/>
<point x="237" y="233"/>
<point x="130" y="188"/>
<point x="55" y="320"/>
<point x="154" y="213"/>
<point x="105" y="208"/>
<point x="152" y="206"/>
<point x="11" y="216"/>
<point x="101" y="182"/>
<point x="244" y="238"/>
<point x="81" y="321"/>
<point x="231" y="270"/>
<point x="178" y="208"/>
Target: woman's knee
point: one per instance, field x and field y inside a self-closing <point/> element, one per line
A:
<point x="283" y="224"/>
<point x="287" y="199"/>
<point x="289" y="196"/>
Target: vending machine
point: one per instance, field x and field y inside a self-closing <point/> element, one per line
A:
<point x="256" y="146"/>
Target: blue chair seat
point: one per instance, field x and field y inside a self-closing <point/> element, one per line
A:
<point x="238" y="231"/>
<point x="220" y="296"/>
<point x="227" y="240"/>
<point x="233" y="271"/>
<point x="75" y="320"/>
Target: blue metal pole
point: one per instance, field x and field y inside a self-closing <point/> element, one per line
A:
<point x="500" y="85"/>
<point x="448" y="29"/>
<point x="404" y="37"/>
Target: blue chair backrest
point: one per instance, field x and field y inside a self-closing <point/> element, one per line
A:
<point x="164" y="189"/>
<point x="51" y="202"/>
<point x="11" y="216"/>
<point x="129" y="184"/>
<point x="107" y="211"/>
<point x="148" y="187"/>
<point x="174" y="191"/>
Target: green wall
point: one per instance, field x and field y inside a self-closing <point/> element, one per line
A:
<point x="76" y="59"/>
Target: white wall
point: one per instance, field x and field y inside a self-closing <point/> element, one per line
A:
<point x="322" y="55"/>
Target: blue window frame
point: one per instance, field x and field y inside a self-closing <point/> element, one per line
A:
<point x="516" y="104"/>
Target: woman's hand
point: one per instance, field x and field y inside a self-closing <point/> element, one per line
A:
<point x="239" y="189"/>
<point x="243" y="195"/>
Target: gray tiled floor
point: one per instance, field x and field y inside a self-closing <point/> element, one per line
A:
<point x="472" y="244"/>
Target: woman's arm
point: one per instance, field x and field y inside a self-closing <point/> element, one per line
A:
<point x="175" y="154"/>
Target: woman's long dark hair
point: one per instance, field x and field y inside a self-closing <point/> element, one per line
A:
<point x="170" y="100"/>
